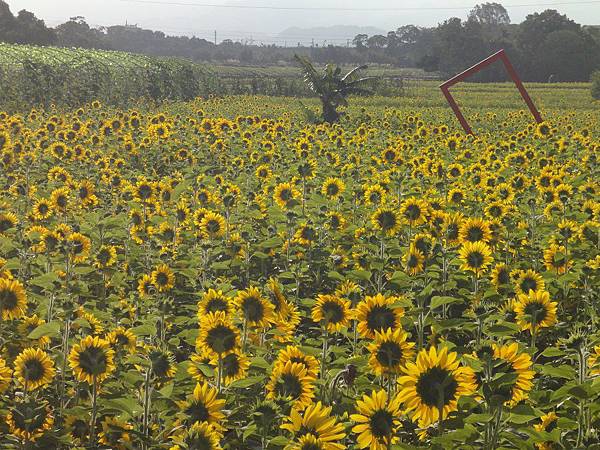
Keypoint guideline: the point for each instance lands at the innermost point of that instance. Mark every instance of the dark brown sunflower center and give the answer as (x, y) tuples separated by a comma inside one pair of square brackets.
[(332, 189), (162, 279), (200, 442), (412, 212), (381, 318), (389, 354), (29, 418), (198, 412), (413, 261), (145, 191), (216, 304), (33, 370), (220, 339), (213, 226), (288, 385), (381, 424), (160, 364), (504, 277), (528, 284), (93, 361), (332, 312), (253, 308), (8, 299), (231, 365), (474, 234), (537, 311), (475, 259), (285, 194), (436, 387), (386, 220)]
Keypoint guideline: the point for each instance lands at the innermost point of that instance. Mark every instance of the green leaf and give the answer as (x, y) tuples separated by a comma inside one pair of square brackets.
[(562, 371), (552, 351), (144, 330), (45, 281), (51, 329), (521, 414), (438, 301), (247, 382), (359, 275), (167, 391)]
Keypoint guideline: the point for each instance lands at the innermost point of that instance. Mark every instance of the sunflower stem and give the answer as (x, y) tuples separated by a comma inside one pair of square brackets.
[(324, 354), (146, 405), (94, 410), (220, 373)]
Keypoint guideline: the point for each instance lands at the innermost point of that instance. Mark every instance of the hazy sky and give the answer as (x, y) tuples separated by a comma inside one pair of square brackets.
[(264, 24)]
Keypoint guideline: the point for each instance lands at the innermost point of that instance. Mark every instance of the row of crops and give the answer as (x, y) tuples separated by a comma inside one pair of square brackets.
[(34, 76)]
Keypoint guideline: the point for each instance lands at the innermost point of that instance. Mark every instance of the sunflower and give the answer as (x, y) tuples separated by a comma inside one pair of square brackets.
[(13, 300), (34, 368), (529, 280), (203, 406), (332, 312), (92, 360), (475, 230), (106, 256), (29, 419), (333, 188), (593, 362), (115, 434), (145, 286), (378, 313), (285, 195), (374, 194), (377, 421), (507, 359), (42, 209), (213, 301), (60, 199), (78, 427), (291, 382), (315, 420), (79, 246), (306, 442), (5, 376), (335, 221), (500, 275), (434, 384), (163, 279), (254, 308), (235, 366), (201, 435), (475, 256), (556, 259), (390, 352), (451, 227), (121, 337), (7, 221), (414, 260), (162, 363), (414, 211), (294, 354), (548, 423), (217, 334), (212, 225), (386, 220), (535, 310)]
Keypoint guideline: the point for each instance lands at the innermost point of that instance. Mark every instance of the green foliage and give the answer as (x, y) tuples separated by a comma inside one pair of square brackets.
[(596, 85)]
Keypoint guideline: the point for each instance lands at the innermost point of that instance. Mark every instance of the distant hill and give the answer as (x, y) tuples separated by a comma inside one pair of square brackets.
[(336, 35)]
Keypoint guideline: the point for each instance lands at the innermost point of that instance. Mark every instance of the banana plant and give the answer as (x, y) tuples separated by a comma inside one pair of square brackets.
[(332, 87)]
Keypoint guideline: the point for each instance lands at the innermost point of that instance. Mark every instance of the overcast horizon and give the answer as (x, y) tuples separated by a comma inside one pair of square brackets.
[(264, 25)]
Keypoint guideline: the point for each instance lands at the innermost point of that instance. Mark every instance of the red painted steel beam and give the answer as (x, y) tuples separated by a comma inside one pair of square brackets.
[(500, 55)]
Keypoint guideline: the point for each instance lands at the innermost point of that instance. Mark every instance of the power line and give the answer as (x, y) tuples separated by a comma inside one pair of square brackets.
[(324, 8)]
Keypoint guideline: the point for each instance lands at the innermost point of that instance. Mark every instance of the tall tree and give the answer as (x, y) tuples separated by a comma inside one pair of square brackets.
[(489, 14)]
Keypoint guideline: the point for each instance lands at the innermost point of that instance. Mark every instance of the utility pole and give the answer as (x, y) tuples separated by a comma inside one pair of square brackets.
[(215, 37)]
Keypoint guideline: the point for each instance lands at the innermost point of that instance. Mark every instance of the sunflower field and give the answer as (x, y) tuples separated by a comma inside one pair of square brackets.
[(217, 274)]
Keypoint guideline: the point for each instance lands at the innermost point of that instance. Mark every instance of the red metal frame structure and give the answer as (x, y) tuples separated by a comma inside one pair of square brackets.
[(500, 55)]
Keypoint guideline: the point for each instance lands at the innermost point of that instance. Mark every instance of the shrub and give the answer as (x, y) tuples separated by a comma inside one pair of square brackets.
[(596, 85)]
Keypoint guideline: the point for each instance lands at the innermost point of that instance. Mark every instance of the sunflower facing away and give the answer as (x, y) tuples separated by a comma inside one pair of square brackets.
[(535, 310), (475, 257), (201, 435), (291, 382), (204, 406), (92, 360), (377, 420), (315, 420), (34, 368), (332, 312), (378, 313), (435, 382), (390, 352)]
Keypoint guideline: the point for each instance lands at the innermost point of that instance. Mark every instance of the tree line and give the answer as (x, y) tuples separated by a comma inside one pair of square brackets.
[(546, 46)]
